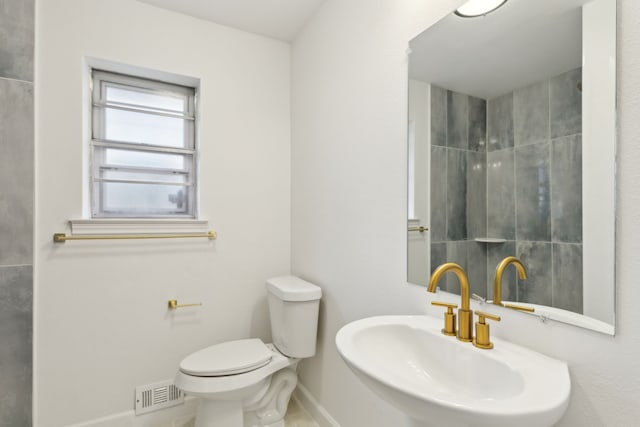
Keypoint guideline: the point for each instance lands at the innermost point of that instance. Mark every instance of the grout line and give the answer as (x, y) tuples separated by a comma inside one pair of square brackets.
[(515, 190), (551, 225), (16, 80), (446, 168), (486, 194), (16, 265)]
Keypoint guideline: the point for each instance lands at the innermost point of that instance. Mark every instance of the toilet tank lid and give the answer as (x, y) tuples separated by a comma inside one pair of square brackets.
[(292, 288)]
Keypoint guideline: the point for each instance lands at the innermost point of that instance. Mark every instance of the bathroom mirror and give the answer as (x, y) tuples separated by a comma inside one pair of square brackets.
[(511, 151)]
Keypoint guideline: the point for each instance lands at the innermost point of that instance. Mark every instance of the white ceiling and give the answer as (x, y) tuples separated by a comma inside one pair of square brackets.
[(280, 19), (523, 42)]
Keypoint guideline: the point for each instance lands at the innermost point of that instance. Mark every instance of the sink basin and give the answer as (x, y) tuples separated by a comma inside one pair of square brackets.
[(441, 381)]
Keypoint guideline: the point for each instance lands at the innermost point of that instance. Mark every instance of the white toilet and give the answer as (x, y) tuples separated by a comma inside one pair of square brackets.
[(248, 383)]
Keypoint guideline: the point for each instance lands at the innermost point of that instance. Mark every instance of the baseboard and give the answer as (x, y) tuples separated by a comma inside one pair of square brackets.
[(182, 415), (306, 400), (176, 416)]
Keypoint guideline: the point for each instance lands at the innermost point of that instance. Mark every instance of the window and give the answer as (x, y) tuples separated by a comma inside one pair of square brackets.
[(143, 150)]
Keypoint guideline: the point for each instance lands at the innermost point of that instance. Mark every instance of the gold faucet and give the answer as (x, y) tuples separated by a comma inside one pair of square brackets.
[(497, 284), (465, 314)]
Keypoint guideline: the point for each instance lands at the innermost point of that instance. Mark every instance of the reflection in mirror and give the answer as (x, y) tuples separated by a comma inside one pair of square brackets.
[(511, 152)]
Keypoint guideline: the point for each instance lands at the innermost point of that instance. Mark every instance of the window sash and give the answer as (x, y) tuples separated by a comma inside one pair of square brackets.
[(166, 177), (99, 126), (140, 109), (140, 84), (143, 212)]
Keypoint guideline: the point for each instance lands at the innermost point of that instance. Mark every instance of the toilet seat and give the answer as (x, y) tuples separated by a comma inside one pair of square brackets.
[(226, 385), (228, 358)]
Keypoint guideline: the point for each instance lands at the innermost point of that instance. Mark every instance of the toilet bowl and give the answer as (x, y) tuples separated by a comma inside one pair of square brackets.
[(247, 383)]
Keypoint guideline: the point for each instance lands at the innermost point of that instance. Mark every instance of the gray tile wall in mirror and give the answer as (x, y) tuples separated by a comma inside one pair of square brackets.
[(533, 192), (567, 276), (16, 211), (537, 257), (438, 179), (531, 113), (500, 122), (456, 194), (515, 174), (565, 104), (566, 189), (476, 194), (458, 183), (501, 197)]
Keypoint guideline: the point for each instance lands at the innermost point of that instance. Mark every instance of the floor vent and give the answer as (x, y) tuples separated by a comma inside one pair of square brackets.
[(156, 396)]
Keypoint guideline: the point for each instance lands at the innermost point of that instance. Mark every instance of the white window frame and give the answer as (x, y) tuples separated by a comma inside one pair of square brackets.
[(101, 79)]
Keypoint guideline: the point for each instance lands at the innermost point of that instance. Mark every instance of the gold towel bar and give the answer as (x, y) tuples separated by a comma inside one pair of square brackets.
[(420, 229), (61, 237)]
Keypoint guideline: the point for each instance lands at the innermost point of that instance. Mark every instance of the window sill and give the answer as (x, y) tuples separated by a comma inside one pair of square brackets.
[(137, 226)]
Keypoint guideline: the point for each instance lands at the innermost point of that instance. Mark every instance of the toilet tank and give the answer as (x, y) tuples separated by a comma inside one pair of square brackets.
[(293, 309)]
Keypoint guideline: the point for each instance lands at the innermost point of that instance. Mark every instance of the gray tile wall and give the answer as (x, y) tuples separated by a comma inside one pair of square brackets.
[(511, 168), (565, 104), (539, 210), (566, 189), (537, 257), (16, 172), (476, 194), (501, 200), (533, 193), (477, 124), (456, 194), (531, 114), (438, 116), (458, 185), (16, 36), (16, 211), (438, 202), (457, 120), (500, 122), (567, 276), (16, 314)]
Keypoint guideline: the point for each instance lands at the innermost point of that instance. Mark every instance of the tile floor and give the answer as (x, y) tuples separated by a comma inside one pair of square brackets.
[(298, 417)]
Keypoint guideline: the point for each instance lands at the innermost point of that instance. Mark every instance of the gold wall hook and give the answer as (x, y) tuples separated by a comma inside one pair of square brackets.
[(173, 304)]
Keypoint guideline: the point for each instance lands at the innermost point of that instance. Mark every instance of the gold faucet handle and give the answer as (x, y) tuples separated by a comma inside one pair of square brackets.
[(449, 305), (519, 307), (484, 315), (483, 338), (449, 317)]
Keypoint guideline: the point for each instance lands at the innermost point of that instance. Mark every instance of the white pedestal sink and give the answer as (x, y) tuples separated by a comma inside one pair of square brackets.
[(444, 382)]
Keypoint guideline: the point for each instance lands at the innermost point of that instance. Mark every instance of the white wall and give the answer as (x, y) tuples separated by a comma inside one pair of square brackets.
[(349, 87), (419, 142), (102, 326)]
